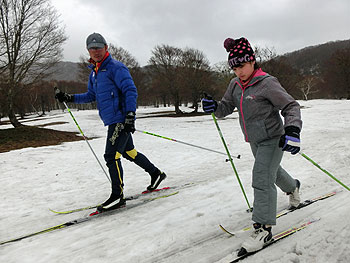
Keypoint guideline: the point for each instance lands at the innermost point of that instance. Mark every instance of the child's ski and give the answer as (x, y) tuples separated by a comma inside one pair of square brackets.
[(276, 238), (285, 211)]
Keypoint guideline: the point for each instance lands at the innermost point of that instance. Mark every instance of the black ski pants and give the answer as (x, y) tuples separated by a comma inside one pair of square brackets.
[(120, 143)]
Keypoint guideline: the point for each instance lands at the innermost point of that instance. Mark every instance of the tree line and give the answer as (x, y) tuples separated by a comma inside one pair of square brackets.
[(31, 39)]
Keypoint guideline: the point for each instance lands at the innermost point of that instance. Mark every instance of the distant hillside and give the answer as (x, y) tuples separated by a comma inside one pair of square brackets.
[(67, 71), (303, 59), (309, 57)]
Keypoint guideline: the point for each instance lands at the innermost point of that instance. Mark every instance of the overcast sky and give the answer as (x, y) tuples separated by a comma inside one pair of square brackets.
[(139, 25)]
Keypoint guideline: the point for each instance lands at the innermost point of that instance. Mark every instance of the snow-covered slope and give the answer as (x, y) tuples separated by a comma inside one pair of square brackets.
[(183, 227)]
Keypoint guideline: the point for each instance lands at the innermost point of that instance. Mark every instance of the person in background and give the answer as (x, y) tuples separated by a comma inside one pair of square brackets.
[(111, 86), (260, 99)]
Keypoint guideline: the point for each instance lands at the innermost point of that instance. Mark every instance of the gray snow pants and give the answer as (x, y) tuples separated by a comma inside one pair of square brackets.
[(267, 173)]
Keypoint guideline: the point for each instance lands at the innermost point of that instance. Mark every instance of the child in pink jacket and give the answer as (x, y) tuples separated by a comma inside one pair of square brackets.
[(260, 99)]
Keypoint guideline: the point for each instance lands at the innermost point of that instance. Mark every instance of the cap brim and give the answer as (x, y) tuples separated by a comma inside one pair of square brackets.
[(94, 45)]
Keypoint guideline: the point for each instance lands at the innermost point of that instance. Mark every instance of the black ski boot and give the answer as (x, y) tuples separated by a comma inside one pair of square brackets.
[(156, 179), (113, 202)]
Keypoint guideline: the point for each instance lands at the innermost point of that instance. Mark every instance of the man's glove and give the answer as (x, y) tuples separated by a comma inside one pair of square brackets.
[(208, 104), (290, 141), (130, 122), (64, 97)]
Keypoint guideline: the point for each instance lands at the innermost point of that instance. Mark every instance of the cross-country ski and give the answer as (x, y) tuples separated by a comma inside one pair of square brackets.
[(86, 218), (132, 197), (284, 212), (275, 238)]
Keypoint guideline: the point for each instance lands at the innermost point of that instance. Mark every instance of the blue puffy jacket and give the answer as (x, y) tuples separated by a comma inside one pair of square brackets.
[(113, 89)]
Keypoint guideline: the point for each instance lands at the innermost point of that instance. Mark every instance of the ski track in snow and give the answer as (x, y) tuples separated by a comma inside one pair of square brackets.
[(183, 227)]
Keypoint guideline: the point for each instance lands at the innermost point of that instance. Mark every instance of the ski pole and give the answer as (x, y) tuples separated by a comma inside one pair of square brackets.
[(189, 144), (93, 152), (230, 159), (81, 132), (323, 170)]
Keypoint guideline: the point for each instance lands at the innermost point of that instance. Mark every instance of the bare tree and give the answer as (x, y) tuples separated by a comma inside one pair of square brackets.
[(307, 86), (264, 54), (123, 56), (165, 62), (30, 43), (196, 74)]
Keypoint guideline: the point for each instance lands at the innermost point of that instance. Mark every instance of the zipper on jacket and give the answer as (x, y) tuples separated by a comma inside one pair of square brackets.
[(241, 105), (241, 111), (95, 80)]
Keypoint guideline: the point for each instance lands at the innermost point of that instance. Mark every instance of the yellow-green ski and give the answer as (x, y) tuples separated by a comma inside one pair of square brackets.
[(74, 210), (276, 238), (285, 211), (86, 218)]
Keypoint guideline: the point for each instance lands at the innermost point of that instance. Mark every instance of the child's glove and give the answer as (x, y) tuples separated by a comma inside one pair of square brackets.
[(290, 141), (208, 104)]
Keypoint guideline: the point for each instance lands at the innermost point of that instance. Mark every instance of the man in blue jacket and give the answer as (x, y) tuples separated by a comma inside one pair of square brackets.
[(111, 86)]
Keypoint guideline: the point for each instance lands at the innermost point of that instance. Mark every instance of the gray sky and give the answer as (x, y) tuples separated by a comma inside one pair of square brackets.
[(139, 25)]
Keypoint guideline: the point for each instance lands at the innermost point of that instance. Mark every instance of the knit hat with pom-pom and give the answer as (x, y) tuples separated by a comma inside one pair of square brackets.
[(240, 51)]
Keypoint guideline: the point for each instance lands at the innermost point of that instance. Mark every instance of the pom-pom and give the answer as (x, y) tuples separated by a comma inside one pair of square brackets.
[(229, 43)]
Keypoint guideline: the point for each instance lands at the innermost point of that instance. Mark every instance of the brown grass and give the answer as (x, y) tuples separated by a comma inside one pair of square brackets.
[(33, 136)]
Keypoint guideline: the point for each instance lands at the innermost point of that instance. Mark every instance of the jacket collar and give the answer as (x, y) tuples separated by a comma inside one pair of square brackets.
[(256, 76), (97, 65)]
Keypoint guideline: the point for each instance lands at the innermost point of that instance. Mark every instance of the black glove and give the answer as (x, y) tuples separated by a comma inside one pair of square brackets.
[(130, 122), (290, 141), (64, 97), (208, 104)]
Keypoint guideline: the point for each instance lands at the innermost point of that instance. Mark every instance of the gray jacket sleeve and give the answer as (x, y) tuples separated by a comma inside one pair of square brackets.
[(227, 104), (278, 96)]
